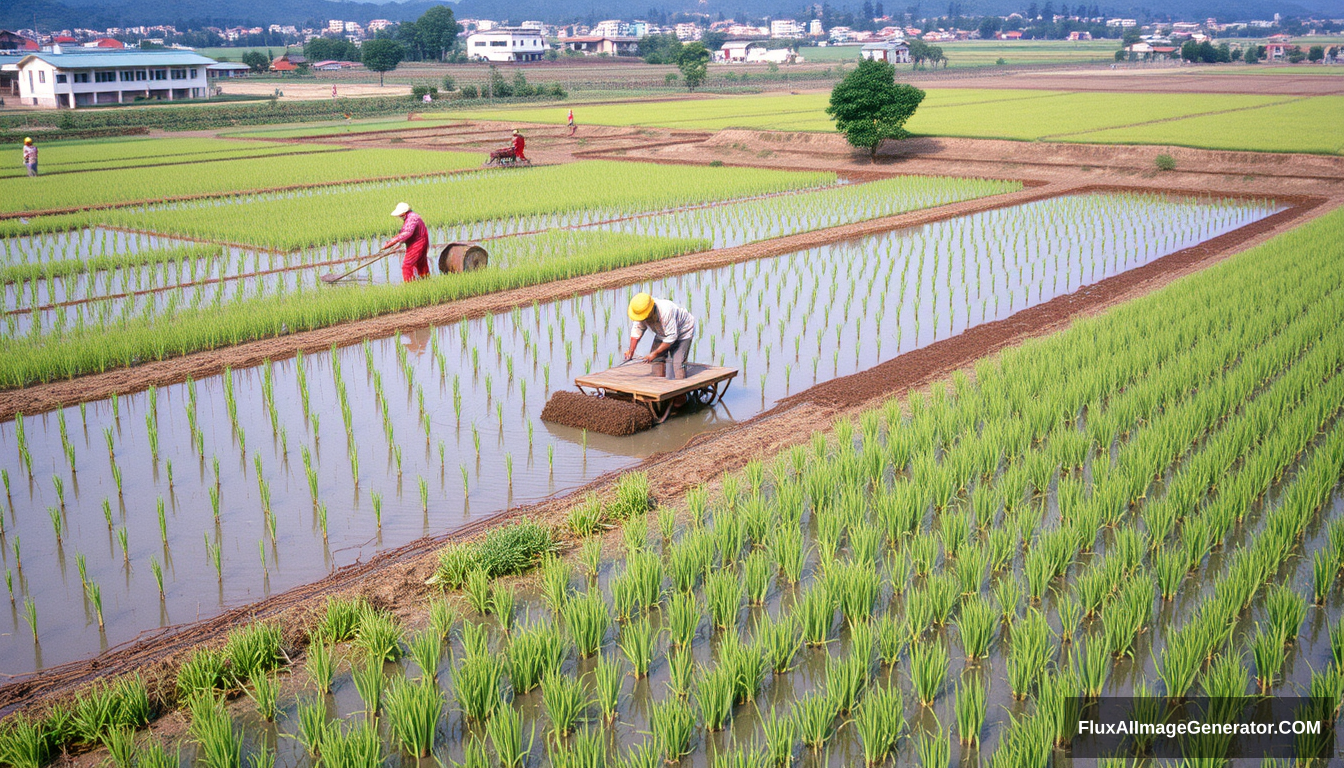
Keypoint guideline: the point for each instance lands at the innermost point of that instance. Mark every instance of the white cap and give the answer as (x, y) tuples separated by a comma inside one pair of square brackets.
[(401, 210)]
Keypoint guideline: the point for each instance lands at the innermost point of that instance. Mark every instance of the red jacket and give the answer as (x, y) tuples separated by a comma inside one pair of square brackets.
[(414, 234), (518, 145)]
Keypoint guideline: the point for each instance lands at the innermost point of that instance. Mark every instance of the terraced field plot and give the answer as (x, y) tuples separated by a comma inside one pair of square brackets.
[(73, 157), (285, 471)]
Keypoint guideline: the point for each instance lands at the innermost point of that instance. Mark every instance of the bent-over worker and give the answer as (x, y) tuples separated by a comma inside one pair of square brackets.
[(673, 326), (518, 144), (30, 156), (415, 235)]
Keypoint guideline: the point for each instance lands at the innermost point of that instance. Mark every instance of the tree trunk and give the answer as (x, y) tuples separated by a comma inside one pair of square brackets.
[(380, 79)]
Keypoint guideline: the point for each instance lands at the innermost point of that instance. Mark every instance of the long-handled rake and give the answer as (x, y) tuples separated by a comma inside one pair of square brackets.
[(332, 277)]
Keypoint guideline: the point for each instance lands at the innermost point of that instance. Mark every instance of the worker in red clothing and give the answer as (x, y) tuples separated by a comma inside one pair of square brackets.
[(518, 145), (415, 235)]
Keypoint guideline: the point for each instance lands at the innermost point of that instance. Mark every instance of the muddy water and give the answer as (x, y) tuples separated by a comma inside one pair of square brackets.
[(453, 411)]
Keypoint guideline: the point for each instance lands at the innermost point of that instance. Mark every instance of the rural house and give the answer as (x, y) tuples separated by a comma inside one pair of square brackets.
[(503, 44), (890, 51), (91, 77), (599, 44)]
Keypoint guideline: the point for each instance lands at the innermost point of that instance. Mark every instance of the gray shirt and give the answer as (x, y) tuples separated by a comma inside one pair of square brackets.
[(670, 322)]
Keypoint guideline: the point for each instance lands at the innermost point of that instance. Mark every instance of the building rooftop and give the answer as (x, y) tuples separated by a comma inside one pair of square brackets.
[(87, 59)]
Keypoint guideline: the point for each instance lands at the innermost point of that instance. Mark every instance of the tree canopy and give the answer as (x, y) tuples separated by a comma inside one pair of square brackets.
[(693, 61), (432, 36), (330, 49), (382, 56), (256, 61), (659, 49), (869, 105)]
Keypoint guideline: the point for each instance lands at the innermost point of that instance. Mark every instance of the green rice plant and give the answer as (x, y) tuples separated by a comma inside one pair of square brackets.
[(319, 665), (104, 707), (683, 618), (120, 745), (607, 680), (746, 664), (379, 635), (588, 517), (780, 640), (975, 626), (426, 649), (476, 588), (970, 708), (1008, 596), (1226, 677), (756, 572), (204, 672), (1091, 665), (781, 734), (588, 750), (341, 618), (642, 755), (413, 711), (1267, 648), (934, 749), (1337, 643), (723, 595), (264, 693), (789, 553), (590, 556), (27, 742), (555, 578), (714, 696), (312, 718), (1181, 662), (253, 649), (814, 714), (587, 619), (1324, 569), (855, 587), (219, 745), (638, 641), (633, 496), (928, 670), (502, 600), (636, 533), (358, 746), (846, 680), (816, 614), (534, 650), (673, 725), (878, 722), (680, 673), (475, 638), (442, 617), (1286, 609), (565, 701), (477, 681), (370, 682)]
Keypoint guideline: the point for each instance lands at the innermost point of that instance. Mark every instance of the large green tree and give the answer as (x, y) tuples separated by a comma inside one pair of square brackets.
[(330, 49), (382, 56), (257, 61), (869, 106), (693, 61), (433, 35), (659, 49)]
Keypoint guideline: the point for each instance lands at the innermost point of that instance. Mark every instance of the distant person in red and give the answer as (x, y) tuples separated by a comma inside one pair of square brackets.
[(518, 144), (415, 235), (572, 127)]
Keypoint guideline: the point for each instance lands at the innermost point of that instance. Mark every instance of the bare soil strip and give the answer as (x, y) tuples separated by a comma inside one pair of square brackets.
[(395, 578)]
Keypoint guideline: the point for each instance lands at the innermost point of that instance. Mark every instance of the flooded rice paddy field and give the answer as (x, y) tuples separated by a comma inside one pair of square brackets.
[(94, 298), (262, 479)]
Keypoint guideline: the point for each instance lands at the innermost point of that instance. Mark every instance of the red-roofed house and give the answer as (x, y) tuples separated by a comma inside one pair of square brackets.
[(108, 43), (63, 40), (283, 64), (1013, 35)]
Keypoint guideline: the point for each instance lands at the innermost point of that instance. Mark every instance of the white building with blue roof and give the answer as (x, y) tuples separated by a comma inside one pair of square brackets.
[(89, 77)]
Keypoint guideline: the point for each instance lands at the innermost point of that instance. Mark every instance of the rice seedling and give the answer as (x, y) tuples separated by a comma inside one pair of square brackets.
[(502, 600), (555, 577), (878, 722), (588, 750), (756, 573), (816, 614), (1269, 653), (1091, 665), (814, 716), (203, 673), (264, 693), (781, 734), (970, 708), (565, 701), (928, 670), (673, 725), (975, 626), (590, 556), (312, 718), (1287, 610), (607, 679), (253, 649), (780, 641), (477, 681), (637, 642), (370, 683), (95, 596), (534, 650), (934, 749), (587, 619), (219, 743), (475, 638), (358, 746), (426, 649), (476, 587), (319, 666), (341, 618), (723, 595)]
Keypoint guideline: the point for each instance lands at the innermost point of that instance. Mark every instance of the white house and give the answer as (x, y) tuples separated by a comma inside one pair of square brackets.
[(227, 69), (738, 51), (785, 28), (891, 51), (506, 44), (90, 77)]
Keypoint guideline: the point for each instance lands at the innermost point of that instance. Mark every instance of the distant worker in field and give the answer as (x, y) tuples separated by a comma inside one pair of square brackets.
[(572, 127), (673, 327), (518, 144), (30, 156), (415, 235), (333, 91)]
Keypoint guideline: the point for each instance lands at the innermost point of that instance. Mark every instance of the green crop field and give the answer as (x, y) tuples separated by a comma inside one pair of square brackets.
[(1218, 121), (1309, 125), (328, 129), (112, 187), (987, 53), (68, 157)]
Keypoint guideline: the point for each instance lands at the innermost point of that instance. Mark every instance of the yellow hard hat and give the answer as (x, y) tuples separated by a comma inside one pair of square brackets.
[(640, 306), (27, 140)]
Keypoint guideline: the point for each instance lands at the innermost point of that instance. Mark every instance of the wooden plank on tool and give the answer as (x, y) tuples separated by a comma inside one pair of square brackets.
[(637, 379)]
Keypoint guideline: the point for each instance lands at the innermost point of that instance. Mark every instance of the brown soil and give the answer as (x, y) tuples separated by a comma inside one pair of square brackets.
[(619, 418)]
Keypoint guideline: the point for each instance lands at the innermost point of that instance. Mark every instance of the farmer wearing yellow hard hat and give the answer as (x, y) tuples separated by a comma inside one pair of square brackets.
[(30, 156), (672, 326)]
